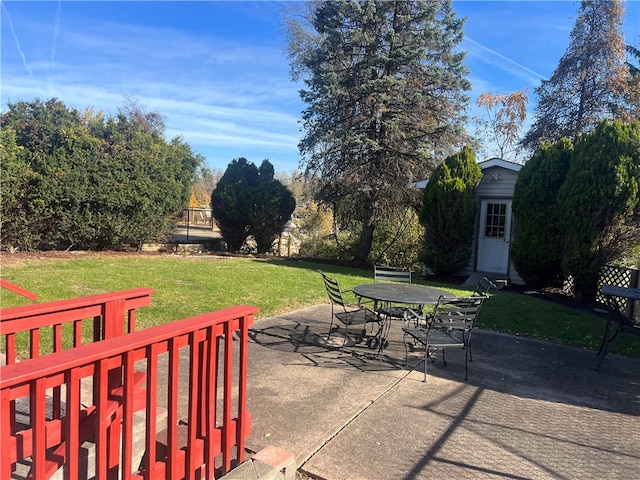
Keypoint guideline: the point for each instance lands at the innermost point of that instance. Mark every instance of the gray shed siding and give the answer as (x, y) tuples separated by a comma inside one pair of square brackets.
[(502, 188)]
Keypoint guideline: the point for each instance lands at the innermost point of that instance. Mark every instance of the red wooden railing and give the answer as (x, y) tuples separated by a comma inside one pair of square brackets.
[(19, 290), (103, 316), (216, 416), (97, 317)]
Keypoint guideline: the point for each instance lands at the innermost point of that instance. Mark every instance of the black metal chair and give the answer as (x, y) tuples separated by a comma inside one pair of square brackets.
[(350, 315), (382, 274), (483, 286), (449, 325)]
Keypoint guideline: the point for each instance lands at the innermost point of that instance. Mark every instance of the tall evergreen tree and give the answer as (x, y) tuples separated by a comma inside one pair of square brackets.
[(536, 248), (384, 84), (592, 81), (635, 53)]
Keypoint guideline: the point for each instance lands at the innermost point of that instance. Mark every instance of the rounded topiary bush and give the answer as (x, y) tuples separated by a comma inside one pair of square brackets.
[(448, 213)]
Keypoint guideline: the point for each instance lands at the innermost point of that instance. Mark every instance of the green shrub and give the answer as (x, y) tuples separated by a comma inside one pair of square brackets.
[(536, 249), (448, 213), (398, 240), (600, 202), (15, 178), (79, 180), (249, 201), (329, 247)]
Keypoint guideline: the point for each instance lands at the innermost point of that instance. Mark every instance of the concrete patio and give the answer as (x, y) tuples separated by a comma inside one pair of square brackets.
[(530, 409)]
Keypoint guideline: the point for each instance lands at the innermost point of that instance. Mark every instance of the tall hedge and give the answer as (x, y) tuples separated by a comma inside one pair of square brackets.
[(600, 202), (536, 249), (249, 201), (83, 180), (448, 213)]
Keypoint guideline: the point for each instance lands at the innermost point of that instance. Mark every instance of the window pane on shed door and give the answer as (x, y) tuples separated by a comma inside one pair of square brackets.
[(495, 220)]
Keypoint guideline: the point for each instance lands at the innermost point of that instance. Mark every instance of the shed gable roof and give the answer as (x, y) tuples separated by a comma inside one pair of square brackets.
[(498, 162), (492, 162)]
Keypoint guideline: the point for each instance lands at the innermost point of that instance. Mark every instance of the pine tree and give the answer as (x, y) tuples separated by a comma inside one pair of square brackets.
[(635, 53), (592, 81), (384, 85), (248, 200)]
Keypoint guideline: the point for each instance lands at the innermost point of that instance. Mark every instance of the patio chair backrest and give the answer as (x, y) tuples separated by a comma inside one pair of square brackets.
[(333, 289), (460, 313), (391, 274), (483, 286)]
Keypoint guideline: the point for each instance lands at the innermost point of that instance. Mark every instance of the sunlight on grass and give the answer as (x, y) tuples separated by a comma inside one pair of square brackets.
[(190, 285)]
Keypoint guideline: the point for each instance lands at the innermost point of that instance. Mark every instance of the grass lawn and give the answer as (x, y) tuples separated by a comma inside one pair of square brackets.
[(191, 285)]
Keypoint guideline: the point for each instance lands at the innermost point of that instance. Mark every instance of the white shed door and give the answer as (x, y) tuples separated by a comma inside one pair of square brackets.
[(494, 234)]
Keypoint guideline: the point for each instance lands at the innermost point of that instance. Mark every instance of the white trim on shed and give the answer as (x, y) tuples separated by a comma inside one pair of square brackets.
[(498, 162)]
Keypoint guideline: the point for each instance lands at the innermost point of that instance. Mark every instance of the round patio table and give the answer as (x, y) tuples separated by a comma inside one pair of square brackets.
[(400, 293)]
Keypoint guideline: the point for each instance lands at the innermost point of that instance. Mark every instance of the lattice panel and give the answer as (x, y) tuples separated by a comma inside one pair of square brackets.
[(620, 277), (612, 275)]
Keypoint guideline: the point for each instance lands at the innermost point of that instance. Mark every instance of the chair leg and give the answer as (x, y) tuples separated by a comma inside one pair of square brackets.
[(426, 358), (406, 350), (382, 338), (331, 324), (466, 356)]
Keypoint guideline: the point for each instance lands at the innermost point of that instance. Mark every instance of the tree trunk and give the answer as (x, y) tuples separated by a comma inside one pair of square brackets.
[(366, 235)]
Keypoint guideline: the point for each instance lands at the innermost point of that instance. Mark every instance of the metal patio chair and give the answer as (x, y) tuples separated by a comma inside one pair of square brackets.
[(383, 273), (620, 319), (483, 286), (350, 315), (449, 325)]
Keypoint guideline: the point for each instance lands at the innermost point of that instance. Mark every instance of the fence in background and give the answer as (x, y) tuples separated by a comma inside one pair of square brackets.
[(196, 217)]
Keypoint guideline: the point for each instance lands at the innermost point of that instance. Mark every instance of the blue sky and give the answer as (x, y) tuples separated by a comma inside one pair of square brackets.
[(218, 71)]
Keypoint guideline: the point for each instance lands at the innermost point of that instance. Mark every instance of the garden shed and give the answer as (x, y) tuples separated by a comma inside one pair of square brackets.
[(493, 228)]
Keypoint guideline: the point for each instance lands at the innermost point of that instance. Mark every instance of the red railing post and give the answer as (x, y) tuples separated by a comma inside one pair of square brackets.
[(227, 439), (7, 420), (243, 420)]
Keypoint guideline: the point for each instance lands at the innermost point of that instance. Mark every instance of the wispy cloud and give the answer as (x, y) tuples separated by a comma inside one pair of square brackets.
[(56, 30), (223, 96), (15, 38), (502, 62)]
